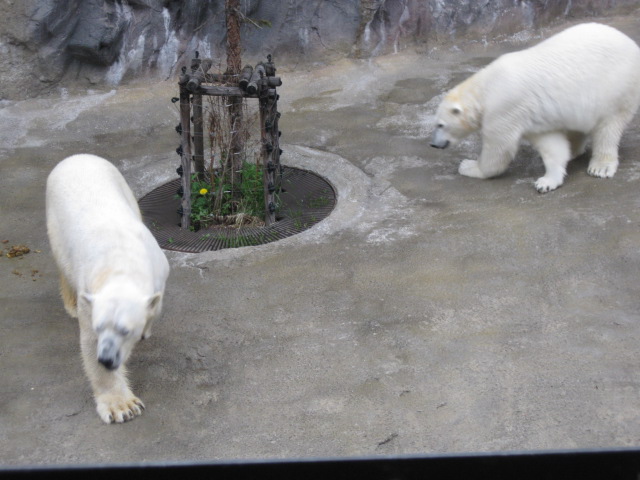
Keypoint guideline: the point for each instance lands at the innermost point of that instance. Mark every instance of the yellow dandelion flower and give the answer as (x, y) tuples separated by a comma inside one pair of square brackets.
[(204, 191)]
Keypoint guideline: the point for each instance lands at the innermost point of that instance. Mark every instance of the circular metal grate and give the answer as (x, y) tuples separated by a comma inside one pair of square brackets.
[(306, 199)]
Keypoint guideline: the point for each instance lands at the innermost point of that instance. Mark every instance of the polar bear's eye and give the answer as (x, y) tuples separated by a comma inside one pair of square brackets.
[(456, 111), (440, 125), (123, 331)]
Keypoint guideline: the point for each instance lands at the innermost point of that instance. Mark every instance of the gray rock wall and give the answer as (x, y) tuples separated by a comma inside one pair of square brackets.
[(46, 42)]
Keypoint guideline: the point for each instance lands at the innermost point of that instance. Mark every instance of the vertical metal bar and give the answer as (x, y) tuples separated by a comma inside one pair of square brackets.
[(185, 119), (198, 134), (267, 164), (275, 135)]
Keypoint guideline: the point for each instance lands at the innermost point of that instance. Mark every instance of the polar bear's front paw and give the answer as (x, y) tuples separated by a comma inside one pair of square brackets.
[(546, 184), (469, 168), (118, 408), (602, 169)]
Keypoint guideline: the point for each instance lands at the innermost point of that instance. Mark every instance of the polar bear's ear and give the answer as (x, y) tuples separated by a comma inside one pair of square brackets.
[(154, 300)]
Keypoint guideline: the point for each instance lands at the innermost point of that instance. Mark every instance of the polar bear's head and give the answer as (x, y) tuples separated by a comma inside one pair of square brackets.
[(457, 117), (119, 322)]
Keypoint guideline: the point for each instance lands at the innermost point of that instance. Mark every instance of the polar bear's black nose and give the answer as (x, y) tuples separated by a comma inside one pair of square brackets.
[(108, 354), (107, 362)]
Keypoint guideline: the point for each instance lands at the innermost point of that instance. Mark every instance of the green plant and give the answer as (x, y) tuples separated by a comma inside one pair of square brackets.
[(212, 198), (201, 200), (294, 213), (229, 192), (252, 190)]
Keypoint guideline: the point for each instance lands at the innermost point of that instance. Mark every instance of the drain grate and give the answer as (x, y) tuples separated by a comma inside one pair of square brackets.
[(306, 199)]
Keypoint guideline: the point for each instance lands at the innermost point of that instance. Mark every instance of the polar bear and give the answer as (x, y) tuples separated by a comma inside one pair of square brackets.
[(581, 84), (112, 273)]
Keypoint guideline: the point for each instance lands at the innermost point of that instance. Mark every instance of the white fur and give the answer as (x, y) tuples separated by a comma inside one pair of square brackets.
[(112, 273), (581, 84)]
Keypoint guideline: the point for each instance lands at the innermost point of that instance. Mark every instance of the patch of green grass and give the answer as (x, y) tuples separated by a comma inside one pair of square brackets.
[(246, 198)]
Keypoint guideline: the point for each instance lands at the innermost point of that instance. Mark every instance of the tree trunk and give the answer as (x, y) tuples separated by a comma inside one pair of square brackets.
[(234, 155)]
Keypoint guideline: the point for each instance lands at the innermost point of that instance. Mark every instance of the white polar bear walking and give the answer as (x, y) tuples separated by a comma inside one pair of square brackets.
[(112, 273), (583, 83)]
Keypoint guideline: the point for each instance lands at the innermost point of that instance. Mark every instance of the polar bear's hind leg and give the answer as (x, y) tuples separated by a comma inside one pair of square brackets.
[(606, 138), (578, 142), (69, 296), (555, 149)]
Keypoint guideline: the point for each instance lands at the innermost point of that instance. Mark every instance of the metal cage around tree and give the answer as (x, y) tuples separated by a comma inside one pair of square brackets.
[(259, 83)]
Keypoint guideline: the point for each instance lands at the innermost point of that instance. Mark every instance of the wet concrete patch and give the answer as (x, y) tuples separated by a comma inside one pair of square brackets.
[(412, 91), (456, 78), (477, 63), (414, 182), (312, 104)]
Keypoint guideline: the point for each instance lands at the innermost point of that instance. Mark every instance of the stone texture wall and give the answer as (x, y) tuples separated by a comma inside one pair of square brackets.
[(46, 42), (387, 24)]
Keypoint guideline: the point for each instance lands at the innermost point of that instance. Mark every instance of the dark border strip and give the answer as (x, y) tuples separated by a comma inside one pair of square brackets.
[(623, 464)]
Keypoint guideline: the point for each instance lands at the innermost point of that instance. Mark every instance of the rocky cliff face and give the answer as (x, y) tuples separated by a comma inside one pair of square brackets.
[(45, 42)]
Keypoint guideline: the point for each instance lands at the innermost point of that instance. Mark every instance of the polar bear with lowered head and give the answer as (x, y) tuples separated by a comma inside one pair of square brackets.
[(112, 273), (581, 84)]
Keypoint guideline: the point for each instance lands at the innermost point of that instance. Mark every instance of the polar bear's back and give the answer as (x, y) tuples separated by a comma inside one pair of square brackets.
[(92, 182), (597, 34), (93, 219), (574, 78), (591, 49)]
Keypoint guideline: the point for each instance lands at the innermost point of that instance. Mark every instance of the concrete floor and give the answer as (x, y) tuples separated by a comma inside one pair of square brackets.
[(429, 313)]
